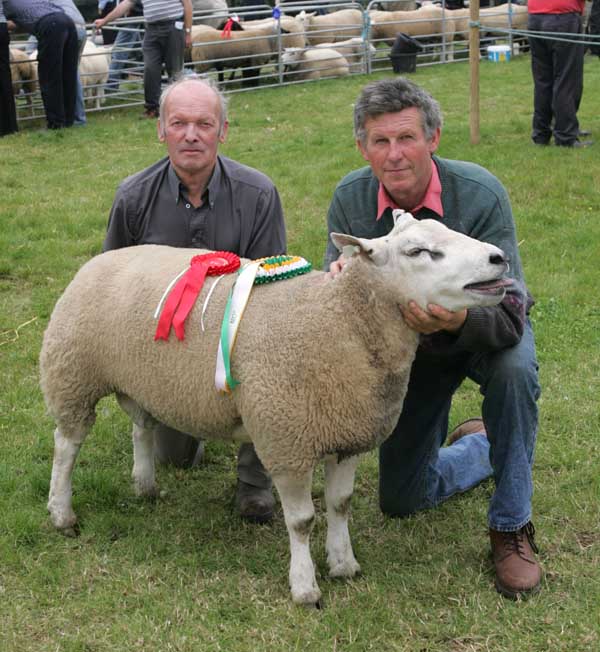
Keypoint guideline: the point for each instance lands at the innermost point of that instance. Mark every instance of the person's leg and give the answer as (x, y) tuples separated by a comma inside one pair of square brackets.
[(8, 115), (543, 81), (51, 39), (174, 53), (415, 473), (152, 48), (70, 73), (127, 38), (509, 383), (177, 448), (568, 80), (254, 498), (80, 118)]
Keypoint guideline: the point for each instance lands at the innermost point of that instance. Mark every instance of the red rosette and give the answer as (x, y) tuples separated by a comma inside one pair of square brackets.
[(219, 262), (183, 296)]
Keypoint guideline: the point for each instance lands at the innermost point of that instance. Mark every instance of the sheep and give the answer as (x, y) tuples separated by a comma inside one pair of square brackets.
[(23, 72), (427, 21), (330, 28), (314, 63), (93, 71), (322, 364), (353, 49), (209, 12), (245, 48)]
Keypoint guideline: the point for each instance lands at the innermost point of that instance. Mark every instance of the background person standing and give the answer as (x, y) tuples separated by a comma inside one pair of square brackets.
[(557, 69), (8, 112)]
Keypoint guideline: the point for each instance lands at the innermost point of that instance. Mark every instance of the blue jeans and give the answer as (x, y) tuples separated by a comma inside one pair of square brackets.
[(126, 40), (80, 118), (416, 472)]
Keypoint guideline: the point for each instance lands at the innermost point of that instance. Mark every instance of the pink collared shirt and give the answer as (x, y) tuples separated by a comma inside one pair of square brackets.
[(432, 199)]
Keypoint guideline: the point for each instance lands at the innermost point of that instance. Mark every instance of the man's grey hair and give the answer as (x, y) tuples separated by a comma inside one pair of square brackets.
[(201, 81), (391, 96)]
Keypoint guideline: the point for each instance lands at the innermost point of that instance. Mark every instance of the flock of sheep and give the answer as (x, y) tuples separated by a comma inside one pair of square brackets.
[(303, 47)]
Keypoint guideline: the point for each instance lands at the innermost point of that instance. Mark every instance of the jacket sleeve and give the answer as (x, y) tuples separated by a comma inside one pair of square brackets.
[(118, 232), (496, 327)]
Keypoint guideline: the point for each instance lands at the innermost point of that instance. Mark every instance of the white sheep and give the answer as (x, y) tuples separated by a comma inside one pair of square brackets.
[(330, 28), (314, 63), (23, 72), (427, 21), (354, 50), (209, 12), (246, 48), (323, 366), (93, 70)]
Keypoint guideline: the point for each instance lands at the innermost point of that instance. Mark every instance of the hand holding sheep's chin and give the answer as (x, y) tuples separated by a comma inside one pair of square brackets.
[(434, 319), (336, 267)]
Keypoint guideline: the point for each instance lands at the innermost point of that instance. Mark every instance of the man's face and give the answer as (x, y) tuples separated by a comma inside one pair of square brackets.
[(191, 128), (400, 154)]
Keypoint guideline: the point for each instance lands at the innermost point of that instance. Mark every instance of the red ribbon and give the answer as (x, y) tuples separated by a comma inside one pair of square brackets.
[(226, 33), (183, 296)]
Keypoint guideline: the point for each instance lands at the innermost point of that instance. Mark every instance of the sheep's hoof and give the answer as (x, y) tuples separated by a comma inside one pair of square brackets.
[(345, 569), (310, 598), (71, 532)]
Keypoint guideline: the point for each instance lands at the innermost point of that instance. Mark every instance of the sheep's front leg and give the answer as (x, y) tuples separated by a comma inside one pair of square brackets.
[(339, 486), (60, 497), (299, 514)]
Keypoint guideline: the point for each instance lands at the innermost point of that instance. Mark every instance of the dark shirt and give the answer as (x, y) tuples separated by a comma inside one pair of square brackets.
[(26, 13), (240, 212)]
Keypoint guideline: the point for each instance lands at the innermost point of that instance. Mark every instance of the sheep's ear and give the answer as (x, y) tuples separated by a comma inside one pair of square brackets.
[(402, 219), (376, 249)]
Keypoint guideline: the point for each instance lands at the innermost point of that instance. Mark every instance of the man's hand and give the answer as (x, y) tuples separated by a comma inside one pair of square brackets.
[(99, 23), (434, 319), (188, 40), (336, 267)]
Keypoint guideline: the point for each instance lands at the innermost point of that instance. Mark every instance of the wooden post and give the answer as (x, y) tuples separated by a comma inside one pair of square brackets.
[(474, 68)]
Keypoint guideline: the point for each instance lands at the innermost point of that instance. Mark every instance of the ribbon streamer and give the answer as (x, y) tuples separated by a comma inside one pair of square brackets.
[(183, 296)]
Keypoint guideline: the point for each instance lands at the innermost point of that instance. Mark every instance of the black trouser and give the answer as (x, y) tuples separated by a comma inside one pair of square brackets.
[(557, 69), (58, 51), (594, 27), (8, 115)]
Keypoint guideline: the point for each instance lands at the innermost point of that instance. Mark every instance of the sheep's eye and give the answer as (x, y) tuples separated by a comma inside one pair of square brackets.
[(417, 251)]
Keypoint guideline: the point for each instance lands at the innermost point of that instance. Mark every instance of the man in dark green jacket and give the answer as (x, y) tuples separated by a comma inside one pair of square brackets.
[(397, 128)]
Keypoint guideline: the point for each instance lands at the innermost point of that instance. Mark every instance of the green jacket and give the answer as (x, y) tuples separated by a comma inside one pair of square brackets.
[(475, 203)]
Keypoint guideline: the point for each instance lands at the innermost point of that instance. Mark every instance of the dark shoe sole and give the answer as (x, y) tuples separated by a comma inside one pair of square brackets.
[(512, 594)]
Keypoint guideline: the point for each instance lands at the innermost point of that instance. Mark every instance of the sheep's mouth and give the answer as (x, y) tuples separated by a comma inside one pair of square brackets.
[(491, 286)]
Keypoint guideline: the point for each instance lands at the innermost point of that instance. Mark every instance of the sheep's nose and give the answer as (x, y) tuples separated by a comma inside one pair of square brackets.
[(499, 258)]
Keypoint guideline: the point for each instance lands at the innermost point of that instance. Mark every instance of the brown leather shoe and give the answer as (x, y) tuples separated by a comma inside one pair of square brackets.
[(254, 504), (517, 570), (469, 427)]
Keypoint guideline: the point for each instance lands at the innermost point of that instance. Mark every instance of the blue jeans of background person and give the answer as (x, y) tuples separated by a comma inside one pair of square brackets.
[(164, 42), (57, 68), (127, 39), (416, 472), (80, 118)]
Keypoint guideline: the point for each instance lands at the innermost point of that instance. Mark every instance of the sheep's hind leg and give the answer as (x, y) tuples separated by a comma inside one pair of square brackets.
[(143, 473), (299, 513), (339, 486), (60, 497)]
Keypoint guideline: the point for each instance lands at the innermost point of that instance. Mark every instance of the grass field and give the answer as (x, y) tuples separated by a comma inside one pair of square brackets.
[(185, 574)]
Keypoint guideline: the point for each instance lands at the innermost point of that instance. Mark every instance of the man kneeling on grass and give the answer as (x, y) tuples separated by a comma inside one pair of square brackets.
[(397, 127)]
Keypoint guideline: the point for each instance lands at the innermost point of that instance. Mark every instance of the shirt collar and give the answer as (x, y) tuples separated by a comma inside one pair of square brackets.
[(431, 200), (176, 185)]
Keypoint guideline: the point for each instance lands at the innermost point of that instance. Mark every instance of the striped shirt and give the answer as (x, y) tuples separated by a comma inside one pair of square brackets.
[(159, 10)]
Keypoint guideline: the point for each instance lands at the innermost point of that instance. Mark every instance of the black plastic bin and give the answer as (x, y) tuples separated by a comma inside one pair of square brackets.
[(404, 53)]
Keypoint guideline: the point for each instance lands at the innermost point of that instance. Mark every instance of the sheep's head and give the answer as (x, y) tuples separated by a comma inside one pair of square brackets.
[(291, 56), (429, 263)]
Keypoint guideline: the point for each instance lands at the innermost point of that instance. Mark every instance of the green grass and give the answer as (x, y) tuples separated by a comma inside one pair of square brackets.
[(184, 573)]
